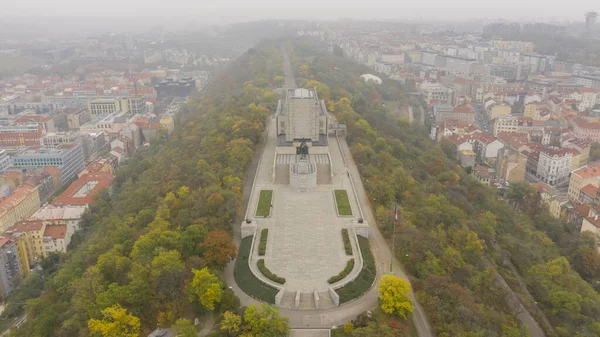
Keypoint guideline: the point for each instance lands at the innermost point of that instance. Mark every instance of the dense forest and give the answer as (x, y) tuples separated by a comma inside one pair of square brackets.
[(455, 236), (155, 246)]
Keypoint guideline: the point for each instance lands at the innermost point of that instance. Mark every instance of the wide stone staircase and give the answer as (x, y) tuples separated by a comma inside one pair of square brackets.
[(306, 301)]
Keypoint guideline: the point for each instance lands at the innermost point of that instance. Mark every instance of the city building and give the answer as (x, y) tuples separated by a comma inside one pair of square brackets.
[(29, 238), (56, 239), (10, 268), (20, 135), (582, 177), (83, 191), (464, 114), (45, 122), (585, 129), (68, 158), (496, 110), (302, 116), (4, 161), (69, 216), (551, 198), (435, 92), (105, 106), (182, 88), (483, 174), (554, 166), (20, 205)]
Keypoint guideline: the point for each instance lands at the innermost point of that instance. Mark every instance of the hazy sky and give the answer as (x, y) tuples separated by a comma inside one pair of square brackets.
[(536, 10)]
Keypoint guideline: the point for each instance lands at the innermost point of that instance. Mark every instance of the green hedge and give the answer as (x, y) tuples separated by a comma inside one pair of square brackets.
[(262, 245), (246, 280), (343, 273), (346, 238), (365, 278), (265, 271)]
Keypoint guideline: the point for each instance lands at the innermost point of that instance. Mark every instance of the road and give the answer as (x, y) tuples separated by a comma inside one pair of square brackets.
[(290, 79), (482, 120), (17, 322)]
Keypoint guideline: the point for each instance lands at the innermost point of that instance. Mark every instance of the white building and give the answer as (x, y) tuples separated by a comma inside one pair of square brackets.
[(4, 160), (554, 166), (56, 239), (436, 92)]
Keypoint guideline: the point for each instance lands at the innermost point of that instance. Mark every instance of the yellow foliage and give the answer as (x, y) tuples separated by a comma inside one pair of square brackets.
[(393, 295), (116, 322), (348, 327), (207, 288)]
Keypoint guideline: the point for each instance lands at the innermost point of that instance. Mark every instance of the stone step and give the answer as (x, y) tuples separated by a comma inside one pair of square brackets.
[(325, 300), (288, 300), (307, 301)]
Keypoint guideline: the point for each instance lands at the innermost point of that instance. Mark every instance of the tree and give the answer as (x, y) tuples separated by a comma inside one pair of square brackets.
[(231, 323), (265, 322), (184, 328), (218, 249), (116, 322), (206, 287), (518, 192), (348, 327), (374, 329), (393, 295), (278, 80)]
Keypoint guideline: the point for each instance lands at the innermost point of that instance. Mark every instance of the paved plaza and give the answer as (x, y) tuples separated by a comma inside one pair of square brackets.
[(305, 244)]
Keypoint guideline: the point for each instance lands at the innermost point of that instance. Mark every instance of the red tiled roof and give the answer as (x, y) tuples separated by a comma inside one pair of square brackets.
[(26, 226), (56, 231), (589, 171), (100, 181), (590, 190)]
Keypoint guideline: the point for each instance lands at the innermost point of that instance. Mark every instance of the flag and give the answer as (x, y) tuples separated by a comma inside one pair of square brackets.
[(396, 212)]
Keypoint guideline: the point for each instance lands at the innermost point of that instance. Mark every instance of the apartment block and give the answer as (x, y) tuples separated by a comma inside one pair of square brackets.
[(10, 268), (68, 158), (21, 204), (587, 175)]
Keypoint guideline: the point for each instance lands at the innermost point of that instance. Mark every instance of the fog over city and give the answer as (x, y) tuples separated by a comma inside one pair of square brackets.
[(239, 10)]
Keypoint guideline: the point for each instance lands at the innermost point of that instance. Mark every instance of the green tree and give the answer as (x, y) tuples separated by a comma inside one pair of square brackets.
[(265, 321), (116, 322), (206, 288), (394, 295), (184, 328), (231, 323)]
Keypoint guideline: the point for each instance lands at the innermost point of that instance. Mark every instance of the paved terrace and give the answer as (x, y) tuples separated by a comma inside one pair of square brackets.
[(305, 243)]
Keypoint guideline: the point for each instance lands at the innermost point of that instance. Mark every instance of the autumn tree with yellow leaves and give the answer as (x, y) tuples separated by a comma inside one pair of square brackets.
[(393, 296), (116, 322)]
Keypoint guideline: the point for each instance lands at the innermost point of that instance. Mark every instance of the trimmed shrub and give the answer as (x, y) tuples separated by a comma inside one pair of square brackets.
[(265, 271), (365, 278), (246, 279), (343, 273), (262, 245), (346, 238)]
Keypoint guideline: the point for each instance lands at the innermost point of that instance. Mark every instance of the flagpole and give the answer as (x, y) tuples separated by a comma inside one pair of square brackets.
[(393, 238)]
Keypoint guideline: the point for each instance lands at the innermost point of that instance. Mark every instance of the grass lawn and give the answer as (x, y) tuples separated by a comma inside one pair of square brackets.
[(246, 280), (365, 279), (264, 203), (343, 204)]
